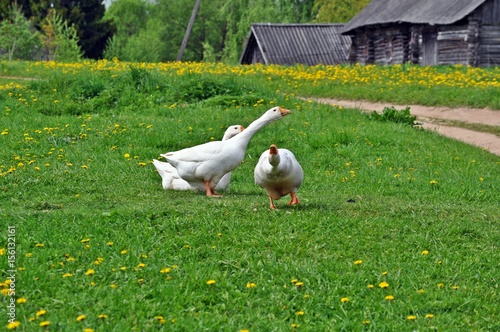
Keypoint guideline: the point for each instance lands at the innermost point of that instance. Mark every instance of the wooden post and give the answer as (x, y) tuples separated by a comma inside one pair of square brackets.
[(188, 30)]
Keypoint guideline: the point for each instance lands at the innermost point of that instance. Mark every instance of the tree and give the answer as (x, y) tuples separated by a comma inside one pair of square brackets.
[(338, 10), (17, 35), (59, 39), (6, 5), (87, 18), (130, 18)]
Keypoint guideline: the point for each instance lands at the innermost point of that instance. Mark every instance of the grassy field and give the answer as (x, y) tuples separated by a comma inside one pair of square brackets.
[(397, 229)]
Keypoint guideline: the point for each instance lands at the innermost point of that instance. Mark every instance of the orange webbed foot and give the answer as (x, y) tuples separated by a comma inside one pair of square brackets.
[(294, 200)]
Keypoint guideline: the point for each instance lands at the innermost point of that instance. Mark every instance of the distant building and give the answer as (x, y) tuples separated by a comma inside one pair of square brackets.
[(426, 32), (290, 44)]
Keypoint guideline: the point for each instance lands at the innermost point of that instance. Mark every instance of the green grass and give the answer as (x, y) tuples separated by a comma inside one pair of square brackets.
[(419, 211)]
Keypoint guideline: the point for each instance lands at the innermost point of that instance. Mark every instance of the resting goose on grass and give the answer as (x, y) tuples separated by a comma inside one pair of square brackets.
[(172, 181), (279, 173), (207, 163)]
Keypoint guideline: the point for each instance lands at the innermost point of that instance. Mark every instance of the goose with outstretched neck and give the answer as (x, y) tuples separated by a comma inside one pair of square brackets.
[(171, 180), (210, 161)]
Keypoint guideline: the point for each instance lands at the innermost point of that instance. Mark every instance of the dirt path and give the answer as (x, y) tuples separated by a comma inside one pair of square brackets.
[(428, 116)]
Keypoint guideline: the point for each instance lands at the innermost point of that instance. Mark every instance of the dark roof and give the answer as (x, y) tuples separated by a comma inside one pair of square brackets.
[(413, 11), (289, 44)]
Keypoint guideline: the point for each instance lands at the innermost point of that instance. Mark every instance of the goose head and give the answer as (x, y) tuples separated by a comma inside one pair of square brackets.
[(274, 157), (232, 131), (271, 115), (275, 113)]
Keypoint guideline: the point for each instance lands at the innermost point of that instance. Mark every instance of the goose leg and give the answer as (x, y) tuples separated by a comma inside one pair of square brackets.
[(209, 191), (271, 205), (295, 200)]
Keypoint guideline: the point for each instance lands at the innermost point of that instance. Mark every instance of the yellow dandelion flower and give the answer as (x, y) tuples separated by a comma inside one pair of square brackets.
[(429, 316), (127, 155), (88, 329), (370, 286), (123, 252), (6, 292), (383, 285), (109, 243), (89, 272), (85, 240), (114, 286), (358, 262), (299, 284), (123, 268), (67, 275), (165, 270), (141, 265), (211, 282), (421, 291), (385, 273), (80, 318), (22, 300), (440, 285), (39, 245), (45, 323), (40, 312), (433, 182), (2, 251), (455, 287), (102, 316), (344, 300), (425, 252), (160, 319), (411, 317), (13, 325), (299, 313), (389, 298), (251, 285)]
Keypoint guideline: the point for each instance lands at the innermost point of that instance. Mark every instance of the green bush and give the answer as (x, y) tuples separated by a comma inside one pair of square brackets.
[(391, 114)]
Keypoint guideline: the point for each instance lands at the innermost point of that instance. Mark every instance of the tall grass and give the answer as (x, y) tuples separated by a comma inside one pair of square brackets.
[(397, 229)]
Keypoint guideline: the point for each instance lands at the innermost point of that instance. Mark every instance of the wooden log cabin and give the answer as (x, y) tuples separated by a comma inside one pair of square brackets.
[(426, 32)]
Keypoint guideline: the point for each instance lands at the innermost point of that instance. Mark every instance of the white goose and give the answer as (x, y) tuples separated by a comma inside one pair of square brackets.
[(172, 181), (209, 162), (279, 173)]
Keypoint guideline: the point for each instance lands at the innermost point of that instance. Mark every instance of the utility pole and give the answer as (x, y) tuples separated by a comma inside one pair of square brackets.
[(188, 30)]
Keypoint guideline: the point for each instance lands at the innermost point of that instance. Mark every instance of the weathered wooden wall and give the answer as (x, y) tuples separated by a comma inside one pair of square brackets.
[(473, 41)]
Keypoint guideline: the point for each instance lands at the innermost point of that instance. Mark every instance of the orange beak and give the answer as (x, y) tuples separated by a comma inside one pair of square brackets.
[(284, 111)]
